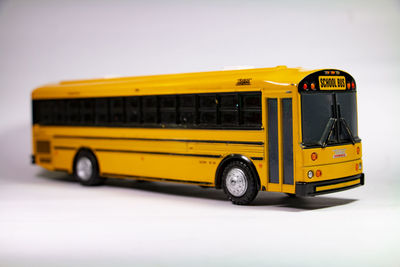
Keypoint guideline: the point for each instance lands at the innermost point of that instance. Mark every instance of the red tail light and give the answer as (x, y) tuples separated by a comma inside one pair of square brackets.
[(353, 85), (318, 173), (305, 86)]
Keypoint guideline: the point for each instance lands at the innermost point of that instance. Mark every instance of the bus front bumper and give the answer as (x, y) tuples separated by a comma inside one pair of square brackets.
[(329, 186)]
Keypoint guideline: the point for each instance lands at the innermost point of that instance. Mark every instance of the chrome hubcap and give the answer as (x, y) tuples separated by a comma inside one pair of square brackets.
[(84, 168), (236, 182)]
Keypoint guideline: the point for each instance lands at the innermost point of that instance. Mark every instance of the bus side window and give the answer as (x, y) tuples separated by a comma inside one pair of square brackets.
[(132, 110), (168, 109), (208, 109), (229, 109), (117, 110), (187, 110), (87, 112), (46, 112), (150, 110), (60, 112), (250, 109), (73, 111), (101, 111)]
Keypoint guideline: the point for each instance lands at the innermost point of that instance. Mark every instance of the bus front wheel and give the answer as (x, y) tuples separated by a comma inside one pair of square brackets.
[(239, 183), (86, 169)]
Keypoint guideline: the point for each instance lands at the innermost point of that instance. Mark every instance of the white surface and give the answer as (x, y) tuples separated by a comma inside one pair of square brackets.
[(47, 220)]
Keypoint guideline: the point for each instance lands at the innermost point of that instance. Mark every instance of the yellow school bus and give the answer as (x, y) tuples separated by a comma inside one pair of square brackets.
[(278, 129)]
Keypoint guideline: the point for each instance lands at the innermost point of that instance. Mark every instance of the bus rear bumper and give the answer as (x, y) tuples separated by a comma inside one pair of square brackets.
[(330, 186)]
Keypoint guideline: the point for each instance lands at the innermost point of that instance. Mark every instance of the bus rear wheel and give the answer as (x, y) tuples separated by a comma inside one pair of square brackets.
[(239, 183), (86, 169)]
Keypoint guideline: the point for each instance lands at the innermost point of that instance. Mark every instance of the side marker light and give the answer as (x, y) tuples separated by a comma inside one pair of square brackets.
[(314, 156)]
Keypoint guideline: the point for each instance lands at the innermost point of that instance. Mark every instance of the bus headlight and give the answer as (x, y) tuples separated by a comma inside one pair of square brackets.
[(358, 166), (310, 174)]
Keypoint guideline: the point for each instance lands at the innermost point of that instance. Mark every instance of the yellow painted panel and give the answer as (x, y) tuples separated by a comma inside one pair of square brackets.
[(333, 154), (332, 171), (63, 158), (158, 153), (158, 166)]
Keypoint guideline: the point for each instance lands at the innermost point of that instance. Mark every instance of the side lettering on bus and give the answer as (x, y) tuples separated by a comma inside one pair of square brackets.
[(243, 81)]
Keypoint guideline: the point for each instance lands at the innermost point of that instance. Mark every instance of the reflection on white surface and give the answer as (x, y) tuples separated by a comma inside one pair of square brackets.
[(47, 219)]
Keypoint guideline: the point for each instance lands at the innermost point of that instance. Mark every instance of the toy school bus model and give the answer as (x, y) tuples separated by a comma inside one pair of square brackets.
[(273, 129)]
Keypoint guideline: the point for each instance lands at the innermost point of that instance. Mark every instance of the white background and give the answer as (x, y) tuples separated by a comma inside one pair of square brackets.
[(48, 220)]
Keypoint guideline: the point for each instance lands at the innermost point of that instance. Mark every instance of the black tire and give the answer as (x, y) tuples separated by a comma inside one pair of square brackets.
[(245, 194), (91, 166), (291, 195)]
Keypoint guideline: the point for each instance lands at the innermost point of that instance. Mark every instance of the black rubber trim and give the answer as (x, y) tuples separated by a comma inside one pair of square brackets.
[(308, 189), (154, 139), (64, 148), (155, 179), (273, 141), (33, 159), (157, 153), (257, 158), (305, 146)]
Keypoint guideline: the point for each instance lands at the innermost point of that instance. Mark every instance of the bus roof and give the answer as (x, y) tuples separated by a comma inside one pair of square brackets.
[(279, 77)]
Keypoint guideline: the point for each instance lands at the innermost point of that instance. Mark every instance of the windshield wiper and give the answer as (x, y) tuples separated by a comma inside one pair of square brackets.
[(327, 132), (347, 128)]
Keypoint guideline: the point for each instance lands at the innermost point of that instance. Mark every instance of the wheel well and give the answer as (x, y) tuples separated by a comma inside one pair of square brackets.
[(83, 149), (225, 162)]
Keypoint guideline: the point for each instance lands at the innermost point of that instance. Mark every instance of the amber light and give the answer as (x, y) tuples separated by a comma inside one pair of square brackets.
[(312, 86), (314, 156), (358, 150), (348, 86), (353, 85), (305, 86), (332, 72), (318, 173)]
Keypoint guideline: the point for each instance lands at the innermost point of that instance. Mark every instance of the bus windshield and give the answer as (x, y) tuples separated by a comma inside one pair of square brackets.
[(329, 118)]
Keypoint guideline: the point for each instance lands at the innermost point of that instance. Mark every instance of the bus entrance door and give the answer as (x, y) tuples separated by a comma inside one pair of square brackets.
[(279, 148)]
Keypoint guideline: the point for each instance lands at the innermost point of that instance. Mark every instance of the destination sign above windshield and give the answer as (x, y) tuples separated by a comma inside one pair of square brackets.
[(327, 80), (332, 82)]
